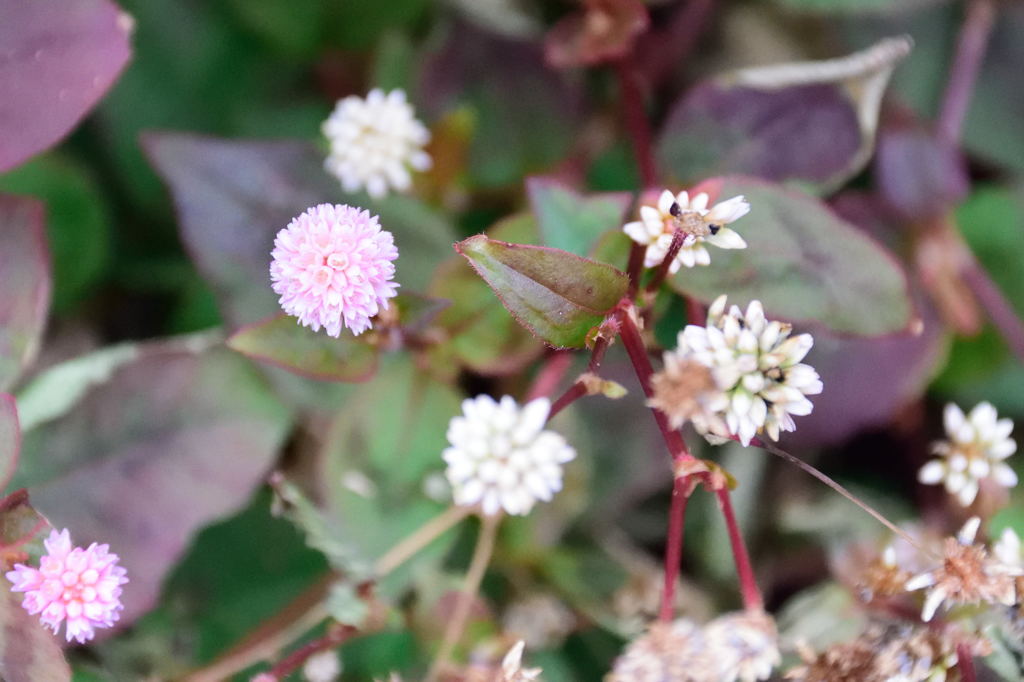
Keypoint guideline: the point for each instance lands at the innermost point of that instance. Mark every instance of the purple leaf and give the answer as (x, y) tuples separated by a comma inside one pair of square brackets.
[(25, 281), (10, 439), (57, 59), (172, 441), (918, 175), (283, 342), (28, 651), (804, 263), (812, 121), (234, 196), (555, 294)]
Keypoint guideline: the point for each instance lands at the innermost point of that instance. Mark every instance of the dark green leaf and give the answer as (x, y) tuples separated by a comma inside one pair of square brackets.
[(283, 342), (557, 295), (804, 263)]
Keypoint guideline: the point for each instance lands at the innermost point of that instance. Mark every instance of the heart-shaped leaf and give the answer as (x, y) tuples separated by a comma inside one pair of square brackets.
[(283, 342), (60, 56), (28, 651), (174, 439), (571, 221), (25, 280), (804, 263), (812, 122), (557, 295)]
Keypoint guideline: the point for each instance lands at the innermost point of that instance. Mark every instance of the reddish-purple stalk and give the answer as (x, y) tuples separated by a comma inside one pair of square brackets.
[(748, 585), (970, 51), (678, 237), (674, 549), (290, 663), (636, 119), (999, 310), (550, 375), (965, 662), (668, 48), (579, 388)]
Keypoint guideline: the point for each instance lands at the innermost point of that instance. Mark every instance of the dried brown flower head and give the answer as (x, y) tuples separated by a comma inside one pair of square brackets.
[(744, 645), (888, 653), (668, 652), (883, 577), (967, 575), (685, 390)]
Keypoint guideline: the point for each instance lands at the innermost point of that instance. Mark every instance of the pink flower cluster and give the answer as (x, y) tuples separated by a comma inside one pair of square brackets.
[(332, 268), (81, 586)]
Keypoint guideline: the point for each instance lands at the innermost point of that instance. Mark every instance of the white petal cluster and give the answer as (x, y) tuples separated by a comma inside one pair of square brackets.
[(502, 458), (1008, 550), (700, 224), (976, 447), (323, 666), (374, 142), (757, 364), (745, 645)]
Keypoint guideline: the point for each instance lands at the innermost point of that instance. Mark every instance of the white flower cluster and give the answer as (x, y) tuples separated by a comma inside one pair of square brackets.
[(756, 363), (976, 447), (374, 142), (502, 458), (698, 224)]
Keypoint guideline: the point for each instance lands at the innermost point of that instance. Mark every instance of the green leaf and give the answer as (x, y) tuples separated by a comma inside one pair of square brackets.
[(25, 281), (859, 6), (810, 122), (283, 342), (571, 221), (805, 264), (78, 222), (28, 651), (557, 295)]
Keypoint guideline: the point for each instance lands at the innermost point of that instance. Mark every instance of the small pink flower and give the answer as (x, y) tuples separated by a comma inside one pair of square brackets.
[(82, 586), (332, 268)]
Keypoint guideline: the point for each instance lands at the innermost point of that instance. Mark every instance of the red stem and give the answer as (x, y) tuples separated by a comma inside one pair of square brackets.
[(292, 661), (748, 585), (636, 119), (678, 237), (633, 268), (634, 344), (999, 310), (674, 548), (662, 51), (550, 375), (970, 51), (579, 389), (965, 662)]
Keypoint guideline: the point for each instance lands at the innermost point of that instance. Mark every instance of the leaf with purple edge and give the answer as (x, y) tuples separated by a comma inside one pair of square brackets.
[(281, 341), (172, 441), (557, 295), (28, 651), (804, 263), (811, 122), (26, 284), (59, 57), (20, 524), (572, 221)]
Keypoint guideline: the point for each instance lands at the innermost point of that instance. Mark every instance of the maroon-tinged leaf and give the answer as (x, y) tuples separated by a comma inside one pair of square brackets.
[(172, 441), (600, 31), (28, 651), (234, 196), (572, 221), (25, 281), (283, 342), (804, 263), (812, 122), (557, 295), (20, 524), (57, 58), (10, 439), (919, 175), (481, 334)]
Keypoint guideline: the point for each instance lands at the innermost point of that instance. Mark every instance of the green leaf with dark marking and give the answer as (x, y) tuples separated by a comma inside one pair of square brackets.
[(555, 294)]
